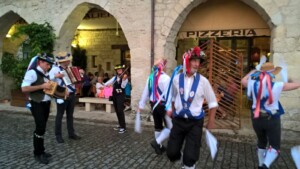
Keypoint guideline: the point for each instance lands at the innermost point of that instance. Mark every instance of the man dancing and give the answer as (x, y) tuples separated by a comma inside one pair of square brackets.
[(189, 91), (266, 110), (156, 85)]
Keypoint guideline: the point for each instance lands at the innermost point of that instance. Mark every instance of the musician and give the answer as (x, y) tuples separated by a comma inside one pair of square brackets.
[(63, 60), (119, 83), (33, 83)]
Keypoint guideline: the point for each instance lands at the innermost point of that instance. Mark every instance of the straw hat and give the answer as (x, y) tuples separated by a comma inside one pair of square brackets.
[(63, 56), (269, 67)]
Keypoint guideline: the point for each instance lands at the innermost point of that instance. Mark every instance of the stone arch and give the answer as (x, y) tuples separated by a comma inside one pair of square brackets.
[(172, 23), (6, 21), (69, 25)]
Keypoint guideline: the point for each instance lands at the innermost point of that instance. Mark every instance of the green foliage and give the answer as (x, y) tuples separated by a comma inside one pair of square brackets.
[(79, 57), (40, 39), (8, 62)]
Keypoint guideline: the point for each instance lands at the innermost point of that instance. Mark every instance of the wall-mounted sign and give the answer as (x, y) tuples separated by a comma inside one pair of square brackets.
[(224, 33)]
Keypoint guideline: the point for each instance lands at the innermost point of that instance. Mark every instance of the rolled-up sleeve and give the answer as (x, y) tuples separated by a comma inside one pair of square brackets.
[(29, 78), (210, 95)]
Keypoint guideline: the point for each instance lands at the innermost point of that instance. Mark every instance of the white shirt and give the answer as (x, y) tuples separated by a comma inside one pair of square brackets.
[(204, 90), (276, 91), (31, 77), (55, 70), (163, 84), (112, 80)]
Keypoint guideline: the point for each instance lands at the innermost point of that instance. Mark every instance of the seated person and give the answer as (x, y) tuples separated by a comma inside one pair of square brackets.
[(100, 87)]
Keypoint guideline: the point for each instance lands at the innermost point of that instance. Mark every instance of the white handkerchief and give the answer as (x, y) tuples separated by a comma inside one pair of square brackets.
[(137, 126), (211, 142), (60, 101), (283, 72)]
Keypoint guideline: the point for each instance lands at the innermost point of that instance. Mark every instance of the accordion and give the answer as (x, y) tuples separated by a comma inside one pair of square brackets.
[(71, 75), (56, 90)]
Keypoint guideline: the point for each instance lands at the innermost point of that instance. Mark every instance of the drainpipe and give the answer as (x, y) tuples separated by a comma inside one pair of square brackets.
[(152, 32)]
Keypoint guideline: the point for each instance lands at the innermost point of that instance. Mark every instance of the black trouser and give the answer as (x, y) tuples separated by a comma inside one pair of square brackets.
[(268, 130), (191, 132), (85, 91), (40, 112), (118, 101), (158, 116), (67, 106)]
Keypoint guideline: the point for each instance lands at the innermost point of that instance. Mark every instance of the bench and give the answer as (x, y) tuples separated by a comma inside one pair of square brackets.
[(91, 101)]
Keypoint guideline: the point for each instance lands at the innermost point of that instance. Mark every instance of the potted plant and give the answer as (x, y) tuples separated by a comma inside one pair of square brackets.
[(40, 39)]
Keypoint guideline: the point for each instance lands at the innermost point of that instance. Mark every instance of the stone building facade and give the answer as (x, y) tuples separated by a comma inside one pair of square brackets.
[(134, 16)]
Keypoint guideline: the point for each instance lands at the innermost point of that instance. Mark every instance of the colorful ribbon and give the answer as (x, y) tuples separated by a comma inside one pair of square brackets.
[(268, 77)]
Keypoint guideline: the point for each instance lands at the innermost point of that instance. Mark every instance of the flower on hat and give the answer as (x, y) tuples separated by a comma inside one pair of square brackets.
[(160, 63), (193, 53)]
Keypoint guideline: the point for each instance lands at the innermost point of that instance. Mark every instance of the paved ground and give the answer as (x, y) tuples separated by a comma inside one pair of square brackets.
[(102, 147)]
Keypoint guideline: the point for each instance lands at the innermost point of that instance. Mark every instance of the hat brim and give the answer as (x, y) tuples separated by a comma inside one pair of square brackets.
[(119, 68), (47, 60), (64, 60), (276, 70)]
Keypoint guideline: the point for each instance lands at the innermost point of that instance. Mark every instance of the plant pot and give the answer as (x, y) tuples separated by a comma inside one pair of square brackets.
[(18, 98)]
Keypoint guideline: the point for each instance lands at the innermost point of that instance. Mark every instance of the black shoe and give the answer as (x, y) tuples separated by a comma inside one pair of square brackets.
[(75, 137), (163, 148), (41, 158), (48, 155), (156, 147), (59, 140)]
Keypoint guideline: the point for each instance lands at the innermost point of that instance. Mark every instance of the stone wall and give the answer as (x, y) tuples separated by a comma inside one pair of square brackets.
[(99, 43)]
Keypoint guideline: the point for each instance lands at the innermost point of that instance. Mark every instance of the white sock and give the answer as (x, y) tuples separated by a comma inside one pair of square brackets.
[(261, 156), (168, 121), (156, 134), (295, 151), (271, 155), (186, 167), (165, 133)]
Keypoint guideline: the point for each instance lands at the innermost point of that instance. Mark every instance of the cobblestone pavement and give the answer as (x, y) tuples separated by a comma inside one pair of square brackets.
[(102, 147)]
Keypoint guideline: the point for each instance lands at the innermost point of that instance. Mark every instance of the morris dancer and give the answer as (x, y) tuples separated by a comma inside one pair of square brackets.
[(157, 84), (190, 89), (266, 110), (33, 83)]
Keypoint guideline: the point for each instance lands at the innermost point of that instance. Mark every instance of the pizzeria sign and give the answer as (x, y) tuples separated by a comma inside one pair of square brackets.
[(224, 33)]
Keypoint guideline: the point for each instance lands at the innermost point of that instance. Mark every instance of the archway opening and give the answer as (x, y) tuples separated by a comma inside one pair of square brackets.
[(96, 39), (234, 36), (10, 47)]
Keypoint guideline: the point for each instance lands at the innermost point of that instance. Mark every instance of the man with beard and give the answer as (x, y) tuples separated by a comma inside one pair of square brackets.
[(189, 91)]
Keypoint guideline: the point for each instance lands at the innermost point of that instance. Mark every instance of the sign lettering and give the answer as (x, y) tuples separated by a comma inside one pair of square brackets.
[(223, 33)]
